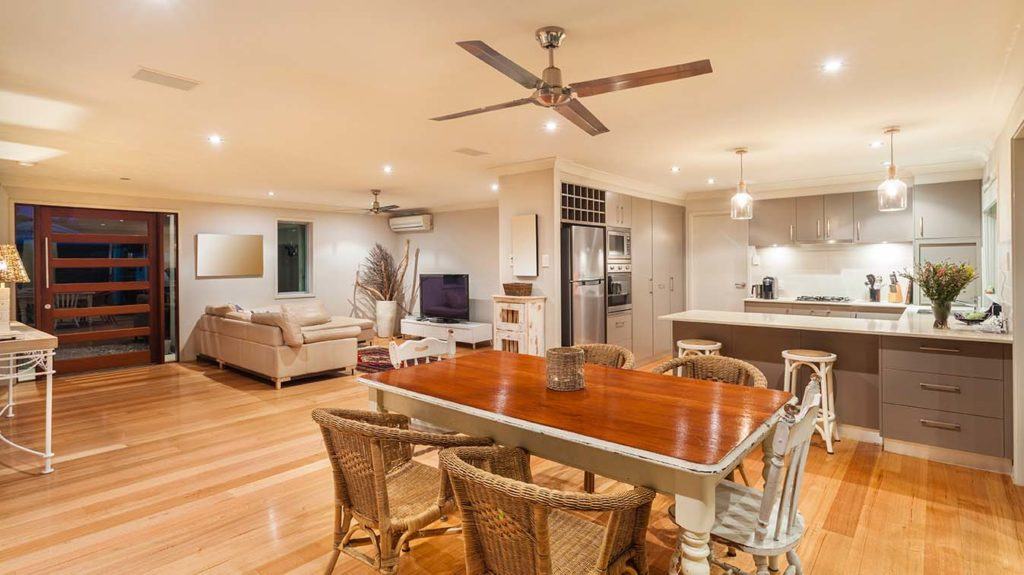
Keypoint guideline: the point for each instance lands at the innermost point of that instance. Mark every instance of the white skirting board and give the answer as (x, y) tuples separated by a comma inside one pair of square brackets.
[(950, 456), (861, 434)]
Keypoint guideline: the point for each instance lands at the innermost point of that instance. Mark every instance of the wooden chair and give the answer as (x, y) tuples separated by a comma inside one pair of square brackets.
[(611, 356), (608, 355), (414, 351), (513, 527), (716, 368), (767, 524), (376, 482)]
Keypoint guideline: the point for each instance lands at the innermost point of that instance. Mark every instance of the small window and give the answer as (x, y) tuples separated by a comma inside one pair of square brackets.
[(293, 258)]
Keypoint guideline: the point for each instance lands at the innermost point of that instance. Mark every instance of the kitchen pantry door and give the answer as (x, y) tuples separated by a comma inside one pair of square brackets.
[(100, 290), (718, 262)]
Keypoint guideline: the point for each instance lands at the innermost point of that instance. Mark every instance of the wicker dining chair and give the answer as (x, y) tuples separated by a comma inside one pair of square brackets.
[(513, 527), (611, 356), (608, 355), (377, 484), (716, 368)]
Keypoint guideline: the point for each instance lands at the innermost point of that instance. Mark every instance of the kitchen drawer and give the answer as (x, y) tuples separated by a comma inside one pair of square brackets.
[(758, 307), (620, 329), (970, 395), (510, 316), (950, 357), (971, 433)]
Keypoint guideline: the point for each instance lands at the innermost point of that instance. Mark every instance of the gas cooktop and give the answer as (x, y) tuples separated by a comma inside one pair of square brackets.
[(823, 298)]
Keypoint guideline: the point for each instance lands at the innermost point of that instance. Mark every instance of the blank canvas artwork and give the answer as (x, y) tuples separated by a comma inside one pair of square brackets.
[(229, 255)]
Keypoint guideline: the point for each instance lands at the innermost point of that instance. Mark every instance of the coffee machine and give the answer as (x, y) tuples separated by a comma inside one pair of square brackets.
[(769, 289)]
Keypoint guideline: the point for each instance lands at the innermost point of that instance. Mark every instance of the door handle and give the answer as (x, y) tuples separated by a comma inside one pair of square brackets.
[(651, 283), (739, 285), (937, 387), (46, 259), (940, 425)]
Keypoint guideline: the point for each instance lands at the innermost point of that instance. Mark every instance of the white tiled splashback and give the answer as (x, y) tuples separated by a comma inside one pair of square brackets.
[(829, 270)]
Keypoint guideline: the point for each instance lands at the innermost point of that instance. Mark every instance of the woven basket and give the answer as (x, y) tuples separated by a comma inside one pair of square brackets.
[(518, 288), (565, 368)]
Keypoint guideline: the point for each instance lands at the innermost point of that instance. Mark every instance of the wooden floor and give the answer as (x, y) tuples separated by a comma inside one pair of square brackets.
[(184, 468)]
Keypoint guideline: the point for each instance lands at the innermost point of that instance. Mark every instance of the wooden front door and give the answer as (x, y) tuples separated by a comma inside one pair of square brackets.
[(100, 290)]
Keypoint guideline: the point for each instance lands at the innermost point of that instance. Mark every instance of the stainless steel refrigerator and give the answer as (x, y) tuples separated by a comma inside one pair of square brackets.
[(584, 298)]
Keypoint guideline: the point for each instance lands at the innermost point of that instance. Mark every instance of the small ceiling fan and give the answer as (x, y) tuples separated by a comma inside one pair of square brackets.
[(549, 92), (375, 208)]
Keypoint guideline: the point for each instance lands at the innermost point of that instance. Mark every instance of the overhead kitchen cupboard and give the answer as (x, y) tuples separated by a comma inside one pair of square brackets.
[(658, 279), (827, 218), (948, 210), (618, 210), (773, 224), (873, 227)]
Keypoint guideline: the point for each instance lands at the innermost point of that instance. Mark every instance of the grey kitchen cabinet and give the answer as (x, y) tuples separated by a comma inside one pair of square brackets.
[(838, 217), (809, 212), (618, 209), (642, 293), (957, 251), (872, 226), (620, 329), (948, 210), (667, 232), (774, 223)]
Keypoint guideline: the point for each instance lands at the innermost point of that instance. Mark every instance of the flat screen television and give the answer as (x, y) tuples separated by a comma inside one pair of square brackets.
[(444, 297)]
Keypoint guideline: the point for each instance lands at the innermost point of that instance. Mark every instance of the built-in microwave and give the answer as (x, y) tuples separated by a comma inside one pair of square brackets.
[(618, 245)]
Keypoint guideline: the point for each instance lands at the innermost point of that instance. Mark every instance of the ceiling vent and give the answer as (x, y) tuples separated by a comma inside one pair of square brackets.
[(470, 152), (165, 79)]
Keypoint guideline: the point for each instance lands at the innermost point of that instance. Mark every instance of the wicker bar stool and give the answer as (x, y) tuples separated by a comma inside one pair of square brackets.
[(513, 527), (376, 482), (820, 363), (608, 355)]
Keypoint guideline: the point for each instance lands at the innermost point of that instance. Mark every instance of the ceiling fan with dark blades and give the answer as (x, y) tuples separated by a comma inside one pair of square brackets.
[(549, 92), (375, 208)]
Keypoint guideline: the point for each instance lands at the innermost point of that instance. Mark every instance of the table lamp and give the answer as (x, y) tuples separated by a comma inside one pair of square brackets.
[(11, 271)]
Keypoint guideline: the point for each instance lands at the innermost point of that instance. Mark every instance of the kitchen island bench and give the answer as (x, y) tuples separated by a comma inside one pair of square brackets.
[(944, 394)]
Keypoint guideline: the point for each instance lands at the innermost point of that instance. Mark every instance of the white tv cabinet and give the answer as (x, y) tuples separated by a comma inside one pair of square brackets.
[(470, 332)]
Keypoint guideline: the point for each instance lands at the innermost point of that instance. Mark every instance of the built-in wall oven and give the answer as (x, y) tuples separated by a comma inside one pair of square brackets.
[(619, 279), (619, 251)]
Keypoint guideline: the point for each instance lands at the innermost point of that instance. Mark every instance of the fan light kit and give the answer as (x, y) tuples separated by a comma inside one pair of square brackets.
[(741, 207), (551, 125), (892, 193), (376, 208), (550, 92)]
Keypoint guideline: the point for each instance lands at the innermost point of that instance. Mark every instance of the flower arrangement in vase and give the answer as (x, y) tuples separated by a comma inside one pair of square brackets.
[(941, 283)]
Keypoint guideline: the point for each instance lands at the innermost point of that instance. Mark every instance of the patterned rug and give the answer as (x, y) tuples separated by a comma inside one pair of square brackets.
[(373, 359)]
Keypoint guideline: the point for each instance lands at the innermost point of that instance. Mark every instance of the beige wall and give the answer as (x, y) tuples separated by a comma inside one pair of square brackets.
[(464, 242), (340, 242)]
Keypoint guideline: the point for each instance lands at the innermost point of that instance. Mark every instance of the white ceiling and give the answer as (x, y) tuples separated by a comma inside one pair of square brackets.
[(314, 97)]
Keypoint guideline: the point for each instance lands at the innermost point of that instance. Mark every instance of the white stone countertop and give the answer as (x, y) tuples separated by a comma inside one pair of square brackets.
[(910, 324), (853, 303)]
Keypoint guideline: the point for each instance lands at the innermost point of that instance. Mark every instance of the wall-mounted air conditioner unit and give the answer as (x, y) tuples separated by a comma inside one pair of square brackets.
[(420, 223)]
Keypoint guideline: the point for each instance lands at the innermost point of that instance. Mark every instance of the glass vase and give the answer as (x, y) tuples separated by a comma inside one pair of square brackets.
[(941, 309)]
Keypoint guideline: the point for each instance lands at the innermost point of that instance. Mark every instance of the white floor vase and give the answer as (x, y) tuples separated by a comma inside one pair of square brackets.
[(387, 312)]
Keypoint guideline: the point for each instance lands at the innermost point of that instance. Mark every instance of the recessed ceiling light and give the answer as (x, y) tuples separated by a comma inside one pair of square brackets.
[(388, 169), (711, 181), (215, 139), (270, 193), (675, 169), (551, 125), (123, 179), (832, 66), (27, 164), (876, 144), (494, 187)]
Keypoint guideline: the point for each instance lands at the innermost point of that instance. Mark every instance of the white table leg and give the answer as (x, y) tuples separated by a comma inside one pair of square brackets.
[(695, 515), (47, 449)]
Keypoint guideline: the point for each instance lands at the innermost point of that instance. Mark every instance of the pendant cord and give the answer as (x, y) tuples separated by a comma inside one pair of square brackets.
[(892, 151)]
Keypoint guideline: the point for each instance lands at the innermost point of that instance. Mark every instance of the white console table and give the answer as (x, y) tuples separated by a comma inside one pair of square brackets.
[(30, 353), (470, 332)]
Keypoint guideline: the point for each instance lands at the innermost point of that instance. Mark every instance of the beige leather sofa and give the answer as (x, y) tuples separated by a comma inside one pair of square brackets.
[(229, 335)]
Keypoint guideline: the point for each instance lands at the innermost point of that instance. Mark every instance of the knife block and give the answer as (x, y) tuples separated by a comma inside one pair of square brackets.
[(896, 294)]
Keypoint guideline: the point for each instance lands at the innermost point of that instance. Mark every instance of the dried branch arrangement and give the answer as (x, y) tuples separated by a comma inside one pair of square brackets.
[(380, 278)]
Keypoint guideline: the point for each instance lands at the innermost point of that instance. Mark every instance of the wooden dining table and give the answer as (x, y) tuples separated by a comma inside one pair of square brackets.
[(676, 435)]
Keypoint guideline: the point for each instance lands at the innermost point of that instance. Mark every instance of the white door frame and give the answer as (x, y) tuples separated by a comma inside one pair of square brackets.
[(1017, 302), (689, 250)]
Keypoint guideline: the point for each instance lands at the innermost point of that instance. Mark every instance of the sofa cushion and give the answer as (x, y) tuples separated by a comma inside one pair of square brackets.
[(223, 309), (306, 313), (344, 321), (244, 315), (313, 336), (247, 331), (290, 330)]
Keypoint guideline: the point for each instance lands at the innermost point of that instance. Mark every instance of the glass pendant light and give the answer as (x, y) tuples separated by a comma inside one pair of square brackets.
[(741, 205), (892, 193)]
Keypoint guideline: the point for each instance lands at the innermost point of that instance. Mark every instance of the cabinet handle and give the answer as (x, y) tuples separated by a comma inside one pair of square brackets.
[(620, 324), (817, 231), (942, 388), (858, 230), (940, 349), (922, 227), (671, 283), (651, 289), (828, 227), (940, 425), (791, 232), (46, 264)]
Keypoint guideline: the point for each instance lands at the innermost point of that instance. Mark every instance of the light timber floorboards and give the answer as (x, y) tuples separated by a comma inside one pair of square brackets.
[(186, 468)]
